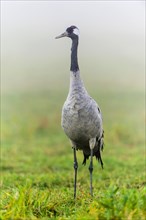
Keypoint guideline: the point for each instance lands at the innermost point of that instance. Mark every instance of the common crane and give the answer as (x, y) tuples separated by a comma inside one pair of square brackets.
[(81, 116)]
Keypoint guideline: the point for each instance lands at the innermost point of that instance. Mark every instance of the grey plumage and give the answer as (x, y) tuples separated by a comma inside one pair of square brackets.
[(81, 116)]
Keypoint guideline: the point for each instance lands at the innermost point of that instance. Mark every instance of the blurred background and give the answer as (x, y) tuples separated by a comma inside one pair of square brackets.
[(111, 50), (35, 66)]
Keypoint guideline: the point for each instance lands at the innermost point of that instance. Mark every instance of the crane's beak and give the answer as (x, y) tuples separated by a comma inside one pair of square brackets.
[(65, 34)]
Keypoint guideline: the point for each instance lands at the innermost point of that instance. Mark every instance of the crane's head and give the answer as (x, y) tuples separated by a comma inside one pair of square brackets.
[(72, 32)]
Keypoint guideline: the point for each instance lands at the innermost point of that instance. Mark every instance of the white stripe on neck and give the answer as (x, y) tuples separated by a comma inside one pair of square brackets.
[(76, 31)]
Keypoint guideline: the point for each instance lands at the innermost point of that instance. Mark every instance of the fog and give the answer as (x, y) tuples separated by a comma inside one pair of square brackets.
[(111, 48)]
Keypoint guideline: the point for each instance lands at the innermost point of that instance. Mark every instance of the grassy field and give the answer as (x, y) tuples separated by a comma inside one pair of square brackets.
[(37, 159)]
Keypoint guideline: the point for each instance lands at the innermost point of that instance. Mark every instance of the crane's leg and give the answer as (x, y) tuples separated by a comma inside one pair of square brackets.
[(92, 143), (75, 168)]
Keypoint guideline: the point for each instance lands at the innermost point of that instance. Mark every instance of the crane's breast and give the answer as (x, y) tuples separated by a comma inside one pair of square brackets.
[(81, 120)]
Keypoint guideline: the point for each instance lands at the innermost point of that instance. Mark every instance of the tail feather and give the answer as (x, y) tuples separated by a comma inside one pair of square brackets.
[(97, 154), (100, 148), (98, 157), (86, 157)]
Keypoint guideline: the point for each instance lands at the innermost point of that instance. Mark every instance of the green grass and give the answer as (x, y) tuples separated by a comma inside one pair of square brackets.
[(37, 159)]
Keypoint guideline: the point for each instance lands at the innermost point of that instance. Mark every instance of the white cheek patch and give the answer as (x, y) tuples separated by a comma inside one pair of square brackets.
[(76, 31)]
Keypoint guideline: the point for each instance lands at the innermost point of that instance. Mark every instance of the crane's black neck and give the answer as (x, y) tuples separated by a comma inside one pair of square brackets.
[(74, 58)]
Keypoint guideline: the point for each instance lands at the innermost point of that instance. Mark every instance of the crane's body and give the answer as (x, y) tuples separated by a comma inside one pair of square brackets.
[(81, 116), (79, 112)]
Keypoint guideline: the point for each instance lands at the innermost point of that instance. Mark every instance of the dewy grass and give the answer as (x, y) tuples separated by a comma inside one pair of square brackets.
[(37, 161)]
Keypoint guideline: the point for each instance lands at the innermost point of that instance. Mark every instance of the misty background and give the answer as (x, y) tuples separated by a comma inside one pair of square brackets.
[(111, 47)]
